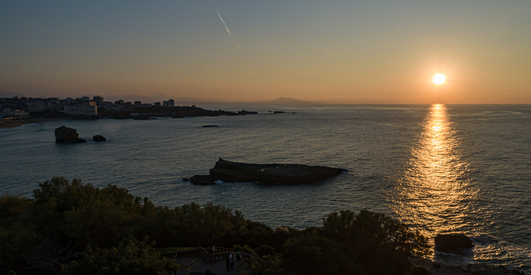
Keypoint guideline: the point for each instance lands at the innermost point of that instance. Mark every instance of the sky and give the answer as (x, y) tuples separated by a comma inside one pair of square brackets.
[(338, 52)]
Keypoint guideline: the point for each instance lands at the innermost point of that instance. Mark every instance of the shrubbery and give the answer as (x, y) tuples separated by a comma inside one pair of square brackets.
[(16, 229), (105, 224), (133, 257)]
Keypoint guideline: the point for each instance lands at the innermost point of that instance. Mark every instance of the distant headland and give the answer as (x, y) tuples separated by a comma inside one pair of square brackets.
[(16, 111)]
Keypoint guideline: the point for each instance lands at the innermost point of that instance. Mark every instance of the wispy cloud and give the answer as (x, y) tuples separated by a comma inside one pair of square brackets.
[(227, 28), (238, 45)]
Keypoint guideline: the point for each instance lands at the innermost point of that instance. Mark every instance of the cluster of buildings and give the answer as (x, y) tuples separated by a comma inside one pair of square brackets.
[(20, 108)]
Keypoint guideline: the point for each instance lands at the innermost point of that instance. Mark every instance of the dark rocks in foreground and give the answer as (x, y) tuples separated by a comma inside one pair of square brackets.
[(435, 268), (64, 134), (229, 171), (452, 242)]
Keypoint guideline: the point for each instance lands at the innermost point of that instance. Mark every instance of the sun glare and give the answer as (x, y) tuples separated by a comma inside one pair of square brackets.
[(439, 79)]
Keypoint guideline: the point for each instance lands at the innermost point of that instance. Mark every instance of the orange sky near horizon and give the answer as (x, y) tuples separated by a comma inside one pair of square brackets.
[(384, 52)]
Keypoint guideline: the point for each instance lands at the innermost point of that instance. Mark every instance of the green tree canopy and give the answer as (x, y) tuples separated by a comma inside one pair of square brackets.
[(66, 211), (107, 222)]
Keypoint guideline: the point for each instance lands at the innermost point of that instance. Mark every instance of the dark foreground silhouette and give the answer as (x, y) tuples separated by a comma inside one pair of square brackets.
[(74, 228)]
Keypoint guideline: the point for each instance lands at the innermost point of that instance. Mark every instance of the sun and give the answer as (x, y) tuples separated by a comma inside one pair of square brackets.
[(439, 79)]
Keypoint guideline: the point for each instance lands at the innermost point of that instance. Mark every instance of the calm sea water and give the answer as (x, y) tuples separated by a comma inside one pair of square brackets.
[(441, 169)]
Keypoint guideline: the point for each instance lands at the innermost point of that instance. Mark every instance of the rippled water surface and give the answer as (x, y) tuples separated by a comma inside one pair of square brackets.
[(456, 168)]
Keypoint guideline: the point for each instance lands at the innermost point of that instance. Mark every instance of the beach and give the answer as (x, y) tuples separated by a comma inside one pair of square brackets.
[(11, 124)]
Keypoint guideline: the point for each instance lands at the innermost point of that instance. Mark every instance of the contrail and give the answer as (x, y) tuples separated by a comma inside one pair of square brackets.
[(227, 28)]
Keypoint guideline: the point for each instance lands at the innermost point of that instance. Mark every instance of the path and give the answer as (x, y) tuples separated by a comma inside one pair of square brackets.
[(217, 267)]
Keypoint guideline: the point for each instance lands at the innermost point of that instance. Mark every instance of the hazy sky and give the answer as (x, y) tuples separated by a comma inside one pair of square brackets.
[(327, 51)]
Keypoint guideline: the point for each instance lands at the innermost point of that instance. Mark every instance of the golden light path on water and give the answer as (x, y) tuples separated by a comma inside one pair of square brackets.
[(434, 193)]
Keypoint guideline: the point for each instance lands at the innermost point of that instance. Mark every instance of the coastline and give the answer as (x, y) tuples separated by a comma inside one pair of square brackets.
[(435, 268), (6, 125)]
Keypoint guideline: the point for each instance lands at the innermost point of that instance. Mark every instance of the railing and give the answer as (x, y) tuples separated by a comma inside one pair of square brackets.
[(204, 255), (208, 256)]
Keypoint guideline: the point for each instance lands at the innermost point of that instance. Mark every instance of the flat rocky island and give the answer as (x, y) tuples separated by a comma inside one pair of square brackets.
[(229, 171)]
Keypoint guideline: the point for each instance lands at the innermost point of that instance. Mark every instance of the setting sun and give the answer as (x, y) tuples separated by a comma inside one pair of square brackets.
[(439, 79)]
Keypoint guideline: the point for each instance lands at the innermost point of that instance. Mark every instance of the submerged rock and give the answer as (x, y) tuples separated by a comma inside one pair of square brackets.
[(452, 242), (203, 180), (229, 171), (98, 138), (64, 134)]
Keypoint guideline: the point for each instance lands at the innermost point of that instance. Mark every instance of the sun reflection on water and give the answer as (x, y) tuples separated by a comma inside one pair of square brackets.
[(434, 193)]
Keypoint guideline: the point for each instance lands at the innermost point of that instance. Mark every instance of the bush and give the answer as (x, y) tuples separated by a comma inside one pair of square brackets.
[(106, 222), (12, 206), (16, 230), (15, 239), (133, 257), (379, 243), (315, 254), (71, 211)]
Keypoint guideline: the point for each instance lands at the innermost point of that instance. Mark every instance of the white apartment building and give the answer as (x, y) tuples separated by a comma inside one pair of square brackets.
[(89, 109)]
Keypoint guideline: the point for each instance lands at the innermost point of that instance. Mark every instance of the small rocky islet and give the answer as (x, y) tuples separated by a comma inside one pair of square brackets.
[(229, 171), (65, 134)]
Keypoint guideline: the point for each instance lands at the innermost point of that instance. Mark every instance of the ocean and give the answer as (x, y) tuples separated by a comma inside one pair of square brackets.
[(438, 168)]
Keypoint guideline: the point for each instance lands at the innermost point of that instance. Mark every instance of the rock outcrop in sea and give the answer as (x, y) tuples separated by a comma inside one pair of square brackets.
[(98, 138), (452, 242), (65, 134), (244, 112), (229, 171)]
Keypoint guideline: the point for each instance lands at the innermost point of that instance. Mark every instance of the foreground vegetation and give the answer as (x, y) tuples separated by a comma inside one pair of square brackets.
[(109, 231)]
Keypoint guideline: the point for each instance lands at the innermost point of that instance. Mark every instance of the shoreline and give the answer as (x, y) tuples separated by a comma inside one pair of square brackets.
[(6, 125), (436, 268)]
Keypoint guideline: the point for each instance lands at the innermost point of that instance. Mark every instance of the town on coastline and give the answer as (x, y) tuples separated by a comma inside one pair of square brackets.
[(16, 109)]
